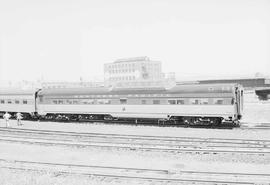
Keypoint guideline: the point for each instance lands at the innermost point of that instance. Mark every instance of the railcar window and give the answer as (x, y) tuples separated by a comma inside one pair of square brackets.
[(107, 101), (218, 101), (242, 99), (232, 101), (204, 101), (123, 101), (2, 101), (84, 102), (69, 102), (60, 102), (17, 101), (9, 101), (91, 101), (41, 99), (100, 101), (181, 102), (155, 102), (194, 101), (55, 101), (24, 101), (75, 102), (104, 101), (200, 101), (143, 102), (172, 102)]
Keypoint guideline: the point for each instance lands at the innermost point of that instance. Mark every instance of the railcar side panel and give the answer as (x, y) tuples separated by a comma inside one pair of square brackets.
[(142, 111), (17, 103)]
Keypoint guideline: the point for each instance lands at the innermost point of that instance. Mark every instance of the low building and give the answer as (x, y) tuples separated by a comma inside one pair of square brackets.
[(247, 83), (57, 85)]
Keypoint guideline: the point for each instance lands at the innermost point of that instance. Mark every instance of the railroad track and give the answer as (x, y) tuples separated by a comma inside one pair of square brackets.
[(135, 142), (249, 126), (138, 174)]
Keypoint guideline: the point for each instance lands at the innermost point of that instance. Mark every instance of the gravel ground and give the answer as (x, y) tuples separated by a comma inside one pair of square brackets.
[(173, 162)]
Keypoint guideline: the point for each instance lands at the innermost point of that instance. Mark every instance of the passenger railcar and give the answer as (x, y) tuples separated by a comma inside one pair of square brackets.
[(17, 100), (184, 104)]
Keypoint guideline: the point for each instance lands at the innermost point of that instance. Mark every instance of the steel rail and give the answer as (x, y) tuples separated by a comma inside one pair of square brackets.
[(215, 182), (179, 150), (134, 143), (130, 136), (134, 169), (130, 170)]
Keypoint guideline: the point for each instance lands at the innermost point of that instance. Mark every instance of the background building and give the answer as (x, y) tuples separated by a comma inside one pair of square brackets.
[(137, 69)]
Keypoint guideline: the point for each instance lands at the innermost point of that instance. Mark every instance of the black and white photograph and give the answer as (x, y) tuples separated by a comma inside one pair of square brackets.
[(138, 92)]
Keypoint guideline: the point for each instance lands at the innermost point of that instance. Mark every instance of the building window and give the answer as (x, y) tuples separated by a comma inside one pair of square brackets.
[(267, 81), (155, 102)]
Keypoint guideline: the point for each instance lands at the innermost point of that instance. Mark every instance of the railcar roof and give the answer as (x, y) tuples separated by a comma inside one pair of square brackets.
[(103, 90), (182, 89), (202, 88), (16, 91), (70, 91)]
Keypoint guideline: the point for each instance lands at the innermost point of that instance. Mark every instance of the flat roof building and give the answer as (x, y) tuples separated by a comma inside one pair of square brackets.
[(132, 70), (248, 83)]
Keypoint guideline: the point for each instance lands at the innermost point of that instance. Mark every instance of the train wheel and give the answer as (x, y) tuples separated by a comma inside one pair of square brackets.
[(236, 123), (215, 122)]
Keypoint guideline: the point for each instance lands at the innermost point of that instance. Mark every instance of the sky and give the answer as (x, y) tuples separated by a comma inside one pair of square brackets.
[(65, 40)]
